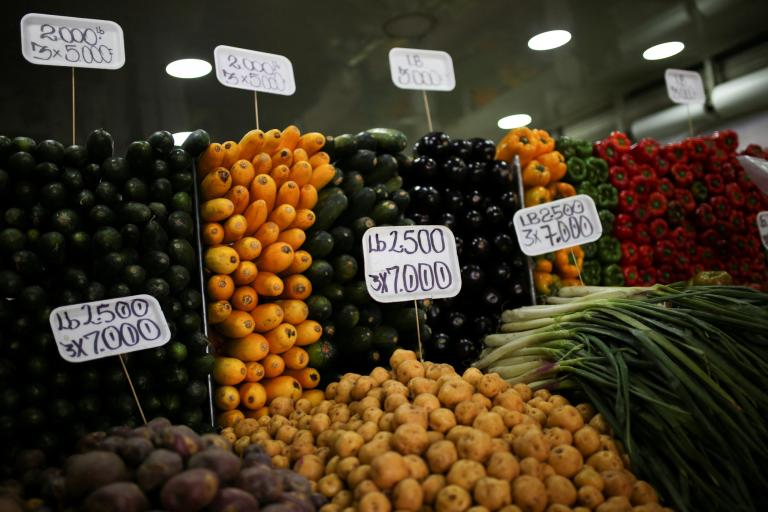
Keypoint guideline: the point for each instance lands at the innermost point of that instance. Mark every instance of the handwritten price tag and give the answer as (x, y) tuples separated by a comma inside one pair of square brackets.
[(426, 70), (84, 332), (51, 40), (411, 262), (684, 86), (254, 71), (762, 226), (551, 226)]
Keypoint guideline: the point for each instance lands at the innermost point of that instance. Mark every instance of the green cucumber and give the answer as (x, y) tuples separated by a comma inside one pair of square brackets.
[(334, 292), (343, 239), (352, 182), (196, 142), (360, 339), (360, 203), (346, 317), (389, 140), (401, 198), (394, 183), (357, 293), (362, 160), (370, 314), (386, 168), (344, 267), (385, 336), (361, 225), (385, 212), (319, 244), (344, 145), (329, 208), (319, 307), (320, 273)]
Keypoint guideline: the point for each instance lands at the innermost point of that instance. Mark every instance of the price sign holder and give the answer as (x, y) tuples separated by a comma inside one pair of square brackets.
[(50, 40), (685, 87), (762, 227), (255, 71), (518, 170), (411, 262)]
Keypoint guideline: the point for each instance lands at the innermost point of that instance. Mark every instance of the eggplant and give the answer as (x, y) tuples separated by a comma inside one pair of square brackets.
[(484, 325), (500, 173), (509, 202), (439, 347), (453, 200), (466, 351), (473, 220), (423, 169), (425, 198), (448, 220), (501, 273), (472, 277), (455, 170), (519, 262), (434, 144), (461, 148), (457, 321), (475, 199), (422, 219), (495, 216), (459, 246), (483, 150), (492, 298), (478, 173), (479, 248), (505, 244)]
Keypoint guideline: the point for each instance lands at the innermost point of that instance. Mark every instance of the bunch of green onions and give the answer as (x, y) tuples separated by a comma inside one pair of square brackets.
[(679, 372)]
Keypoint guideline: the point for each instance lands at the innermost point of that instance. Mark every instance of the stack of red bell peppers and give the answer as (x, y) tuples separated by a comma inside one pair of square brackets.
[(683, 208)]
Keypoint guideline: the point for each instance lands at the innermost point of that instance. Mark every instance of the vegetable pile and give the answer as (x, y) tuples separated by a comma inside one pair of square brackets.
[(358, 332), (683, 208), (459, 184), (677, 372), (81, 224), (158, 465), (422, 437), (258, 196)]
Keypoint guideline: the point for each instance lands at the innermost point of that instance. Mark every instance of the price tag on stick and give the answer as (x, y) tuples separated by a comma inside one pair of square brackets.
[(51, 40), (762, 226), (93, 330), (254, 71), (684, 86), (557, 225), (421, 70), (411, 262)]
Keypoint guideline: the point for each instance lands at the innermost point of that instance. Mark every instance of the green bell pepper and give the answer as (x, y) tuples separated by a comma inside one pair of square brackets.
[(590, 250), (583, 148), (607, 219), (587, 188), (607, 196), (613, 275), (592, 273), (576, 170), (609, 249), (597, 170), (566, 147)]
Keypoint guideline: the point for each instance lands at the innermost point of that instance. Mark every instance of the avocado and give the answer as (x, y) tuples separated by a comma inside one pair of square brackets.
[(99, 145), (72, 179), (32, 298), (91, 174), (67, 297), (161, 190), (156, 262), (65, 221), (94, 291), (131, 235), (135, 213), (46, 171), (115, 169), (75, 156), (189, 322), (320, 308), (107, 193), (53, 195), (196, 142), (159, 212), (23, 144), (130, 254), (172, 308), (196, 393), (10, 283), (53, 247), (75, 277), (178, 278), (154, 236), (179, 160), (4, 180), (135, 190), (38, 216), (322, 354), (84, 200), (157, 287), (161, 142), (159, 169), (118, 290), (80, 242), (6, 146), (346, 317), (114, 262), (191, 299), (15, 217), (182, 253), (12, 240), (180, 225), (139, 156), (107, 239), (182, 201), (101, 215)]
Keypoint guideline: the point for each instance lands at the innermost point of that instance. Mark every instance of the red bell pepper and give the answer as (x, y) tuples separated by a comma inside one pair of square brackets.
[(664, 274), (753, 202), (647, 277), (738, 222), (642, 234), (697, 169), (662, 166), (628, 253), (659, 228), (644, 256), (666, 187), (606, 151), (628, 201), (733, 267), (675, 212), (647, 150), (754, 150), (628, 162), (728, 172), (727, 139), (714, 183), (754, 247), (642, 213), (681, 174), (714, 167), (705, 256), (740, 244), (679, 237), (708, 237), (620, 141), (735, 195), (721, 207), (631, 275), (718, 155), (697, 148), (723, 227), (657, 204), (640, 186), (664, 251), (619, 177), (681, 262), (675, 153), (624, 226), (705, 216), (685, 198)]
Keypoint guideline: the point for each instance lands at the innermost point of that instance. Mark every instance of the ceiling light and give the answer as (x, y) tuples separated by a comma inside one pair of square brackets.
[(188, 68), (514, 121), (549, 40), (180, 137), (663, 50)]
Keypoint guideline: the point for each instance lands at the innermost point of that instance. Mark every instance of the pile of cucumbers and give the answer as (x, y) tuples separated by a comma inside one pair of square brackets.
[(367, 192), (80, 224)]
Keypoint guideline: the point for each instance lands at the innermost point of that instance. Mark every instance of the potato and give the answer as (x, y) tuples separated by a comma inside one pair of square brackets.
[(510, 418), (281, 462), (417, 468), (529, 493), (452, 498), (588, 476), (346, 466), (339, 412), (320, 423), (411, 414), (422, 386), (482, 400), (454, 391), (225, 464), (643, 494), (330, 390), (380, 374), (586, 440), (367, 430), (374, 502), (408, 370), (490, 423), (394, 387), (357, 475), (329, 485), (262, 482), (509, 400), (343, 498), (566, 460), (615, 504), (605, 460), (442, 420), (325, 438), (503, 465), (457, 433), (190, 490), (331, 507), (532, 467), (393, 401), (556, 436), (407, 495), (362, 386), (364, 488), (499, 445), (492, 493), (511, 508), (617, 483), (247, 426), (436, 371), (399, 356), (388, 469), (557, 507), (560, 490), (286, 433), (426, 401), (477, 508), (134, 450), (232, 499), (465, 473), (410, 438), (475, 445), (491, 384), (373, 449), (116, 497), (567, 417), (430, 487), (466, 412), (441, 456), (309, 466), (88, 471), (531, 444), (598, 423), (348, 444), (434, 436), (472, 375), (216, 441), (344, 391), (373, 414), (364, 403), (590, 497)]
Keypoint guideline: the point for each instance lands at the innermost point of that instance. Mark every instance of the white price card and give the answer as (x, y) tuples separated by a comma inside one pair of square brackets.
[(684, 86), (762, 226), (426, 70), (254, 71), (411, 262), (92, 330), (756, 169), (557, 225), (51, 40)]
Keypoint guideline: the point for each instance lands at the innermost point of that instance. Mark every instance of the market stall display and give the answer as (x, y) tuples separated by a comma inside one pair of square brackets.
[(677, 372)]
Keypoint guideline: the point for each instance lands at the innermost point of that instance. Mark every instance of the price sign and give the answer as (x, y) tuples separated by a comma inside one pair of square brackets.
[(762, 226), (422, 70), (84, 332), (684, 86), (51, 40), (557, 225), (254, 71), (411, 262)]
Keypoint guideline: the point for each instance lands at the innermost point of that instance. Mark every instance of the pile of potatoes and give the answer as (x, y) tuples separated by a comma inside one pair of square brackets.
[(422, 437)]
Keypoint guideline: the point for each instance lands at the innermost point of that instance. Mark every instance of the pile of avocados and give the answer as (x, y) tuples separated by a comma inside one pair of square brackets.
[(367, 191), (80, 224)]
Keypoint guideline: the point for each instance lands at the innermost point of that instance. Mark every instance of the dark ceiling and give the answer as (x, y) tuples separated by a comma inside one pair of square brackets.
[(339, 53)]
